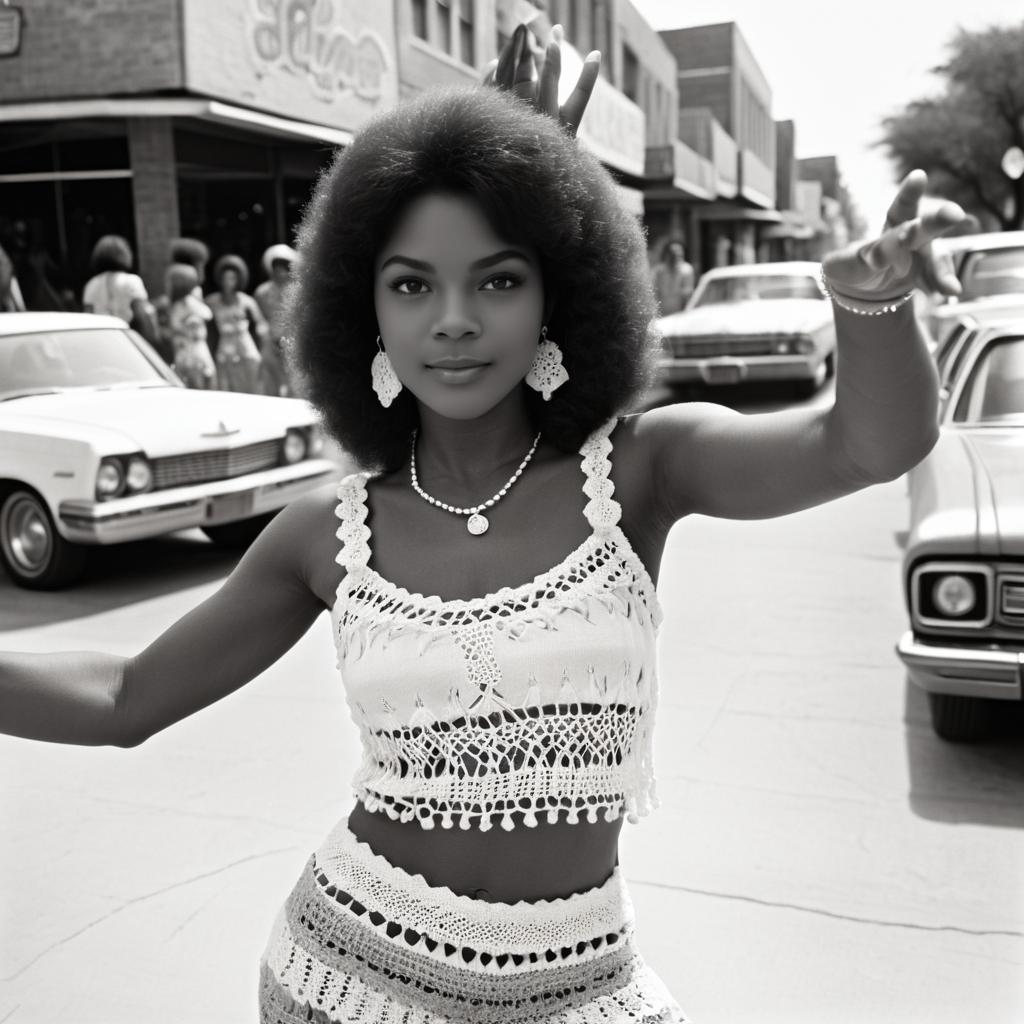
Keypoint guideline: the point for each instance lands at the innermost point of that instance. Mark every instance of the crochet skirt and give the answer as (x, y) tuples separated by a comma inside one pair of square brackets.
[(362, 940)]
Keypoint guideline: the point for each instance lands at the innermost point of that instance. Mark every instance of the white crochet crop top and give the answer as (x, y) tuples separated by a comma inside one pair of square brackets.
[(537, 700)]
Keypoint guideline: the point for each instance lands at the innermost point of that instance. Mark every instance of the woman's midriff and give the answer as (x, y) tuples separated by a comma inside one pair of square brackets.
[(546, 862)]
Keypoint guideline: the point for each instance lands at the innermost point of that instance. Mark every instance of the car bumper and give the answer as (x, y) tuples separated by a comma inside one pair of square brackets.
[(737, 369), (996, 673), (179, 508)]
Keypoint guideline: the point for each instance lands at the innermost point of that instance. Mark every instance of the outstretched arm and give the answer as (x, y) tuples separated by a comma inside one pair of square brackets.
[(92, 699), (713, 461)]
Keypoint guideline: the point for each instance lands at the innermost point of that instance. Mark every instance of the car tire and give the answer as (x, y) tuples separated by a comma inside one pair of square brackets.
[(34, 554), (239, 534), (960, 719)]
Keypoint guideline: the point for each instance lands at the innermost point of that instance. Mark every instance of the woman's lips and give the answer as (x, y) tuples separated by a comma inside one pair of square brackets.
[(457, 373)]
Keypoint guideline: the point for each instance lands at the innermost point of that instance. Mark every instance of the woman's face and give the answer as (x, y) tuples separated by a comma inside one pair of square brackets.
[(459, 308), (229, 281)]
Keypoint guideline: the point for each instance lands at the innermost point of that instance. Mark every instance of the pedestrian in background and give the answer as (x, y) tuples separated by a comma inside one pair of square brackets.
[(115, 291), (270, 296), (182, 251), (672, 278), (11, 300), (187, 317), (240, 327)]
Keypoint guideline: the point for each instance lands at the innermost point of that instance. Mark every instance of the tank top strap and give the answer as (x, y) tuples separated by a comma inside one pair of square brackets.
[(602, 511), (353, 532)]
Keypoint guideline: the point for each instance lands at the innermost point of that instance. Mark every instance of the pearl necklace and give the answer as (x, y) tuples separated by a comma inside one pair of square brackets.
[(477, 523)]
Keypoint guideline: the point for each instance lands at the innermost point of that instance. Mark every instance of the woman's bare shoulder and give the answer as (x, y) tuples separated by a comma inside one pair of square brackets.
[(307, 532)]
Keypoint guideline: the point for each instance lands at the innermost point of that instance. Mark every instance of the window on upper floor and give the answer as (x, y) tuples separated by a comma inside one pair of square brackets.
[(601, 33), (419, 19), (630, 74), (443, 12), (467, 46)]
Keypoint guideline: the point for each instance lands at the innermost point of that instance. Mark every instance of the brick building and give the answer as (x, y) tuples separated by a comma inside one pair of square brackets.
[(154, 118), (725, 116)]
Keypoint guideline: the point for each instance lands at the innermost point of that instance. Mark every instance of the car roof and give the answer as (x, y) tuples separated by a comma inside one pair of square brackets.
[(35, 323), (782, 267), (995, 316), (984, 240)]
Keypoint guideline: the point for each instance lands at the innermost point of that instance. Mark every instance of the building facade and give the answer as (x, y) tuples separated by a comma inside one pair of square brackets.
[(725, 116), (155, 119)]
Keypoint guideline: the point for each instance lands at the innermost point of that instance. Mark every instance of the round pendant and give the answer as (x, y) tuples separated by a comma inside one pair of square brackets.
[(477, 524)]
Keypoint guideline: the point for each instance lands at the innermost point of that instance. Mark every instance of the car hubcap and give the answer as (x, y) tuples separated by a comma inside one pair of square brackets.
[(27, 537)]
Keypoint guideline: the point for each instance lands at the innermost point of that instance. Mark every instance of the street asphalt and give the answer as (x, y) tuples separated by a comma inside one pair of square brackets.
[(819, 856)]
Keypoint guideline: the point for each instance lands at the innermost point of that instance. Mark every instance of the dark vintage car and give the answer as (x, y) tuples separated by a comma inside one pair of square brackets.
[(100, 443), (752, 322), (964, 563)]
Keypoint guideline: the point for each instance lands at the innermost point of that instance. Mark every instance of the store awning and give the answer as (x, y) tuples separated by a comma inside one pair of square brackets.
[(730, 211), (213, 111)]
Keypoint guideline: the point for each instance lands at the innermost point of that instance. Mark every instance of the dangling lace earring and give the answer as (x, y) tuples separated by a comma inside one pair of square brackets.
[(547, 373), (385, 381)]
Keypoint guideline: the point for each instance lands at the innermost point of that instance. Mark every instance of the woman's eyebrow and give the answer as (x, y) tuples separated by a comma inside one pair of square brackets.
[(486, 261)]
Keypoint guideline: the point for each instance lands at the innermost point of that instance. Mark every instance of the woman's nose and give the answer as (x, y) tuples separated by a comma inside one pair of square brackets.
[(458, 319)]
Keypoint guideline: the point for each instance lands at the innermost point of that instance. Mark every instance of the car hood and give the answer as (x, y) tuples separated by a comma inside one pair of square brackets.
[(782, 316), (159, 421), (967, 496)]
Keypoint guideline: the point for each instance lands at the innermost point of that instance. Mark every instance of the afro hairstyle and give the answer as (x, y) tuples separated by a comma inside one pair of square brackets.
[(536, 186)]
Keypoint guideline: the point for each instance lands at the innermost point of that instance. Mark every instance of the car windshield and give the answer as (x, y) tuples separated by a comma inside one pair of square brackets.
[(50, 361), (996, 272), (994, 392), (750, 287)]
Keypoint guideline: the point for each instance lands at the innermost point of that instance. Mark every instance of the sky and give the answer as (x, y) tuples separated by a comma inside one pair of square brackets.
[(837, 69)]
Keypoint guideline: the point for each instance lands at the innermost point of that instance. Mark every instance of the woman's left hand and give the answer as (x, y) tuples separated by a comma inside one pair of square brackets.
[(901, 258), (515, 70)]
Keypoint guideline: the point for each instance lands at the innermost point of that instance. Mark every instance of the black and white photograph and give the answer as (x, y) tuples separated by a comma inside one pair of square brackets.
[(511, 512)]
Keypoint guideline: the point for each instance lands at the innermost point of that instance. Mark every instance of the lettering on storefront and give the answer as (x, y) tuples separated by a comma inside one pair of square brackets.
[(10, 31), (306, 39)]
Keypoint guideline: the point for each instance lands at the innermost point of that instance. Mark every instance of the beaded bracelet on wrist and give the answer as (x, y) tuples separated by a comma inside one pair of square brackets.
[(888, 306)]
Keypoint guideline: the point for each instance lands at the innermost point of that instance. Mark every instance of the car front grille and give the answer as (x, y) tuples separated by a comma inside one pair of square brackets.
[(199, 467), (703, 348), (1011, 600)]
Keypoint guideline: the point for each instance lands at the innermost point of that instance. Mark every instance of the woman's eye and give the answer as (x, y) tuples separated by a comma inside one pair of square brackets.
[(409, 286), (502, 282)]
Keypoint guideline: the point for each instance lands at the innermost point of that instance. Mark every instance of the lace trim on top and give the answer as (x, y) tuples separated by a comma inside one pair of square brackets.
[(578, 746)]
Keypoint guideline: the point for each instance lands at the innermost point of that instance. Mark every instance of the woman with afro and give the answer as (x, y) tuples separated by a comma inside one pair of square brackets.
[(473, 320)]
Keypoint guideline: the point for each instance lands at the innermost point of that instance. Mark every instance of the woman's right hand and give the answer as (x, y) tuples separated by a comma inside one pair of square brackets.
[(515, 70)]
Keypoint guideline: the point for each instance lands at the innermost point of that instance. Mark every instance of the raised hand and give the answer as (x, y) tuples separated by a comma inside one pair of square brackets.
[(901, 258), (516, 71)]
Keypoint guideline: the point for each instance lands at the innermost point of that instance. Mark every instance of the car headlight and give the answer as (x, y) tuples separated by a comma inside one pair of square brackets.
[(316, 442), (803, 345), (109, 479), (295, 447), (953, 595), (139, 475), (782, 346)]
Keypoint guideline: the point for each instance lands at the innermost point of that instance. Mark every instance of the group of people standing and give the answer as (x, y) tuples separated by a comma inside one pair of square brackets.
[(226, 340)]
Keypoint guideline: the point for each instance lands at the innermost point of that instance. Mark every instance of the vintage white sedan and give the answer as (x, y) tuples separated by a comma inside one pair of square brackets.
[(990, 269), (964, 563), (100, 443), (752, 322)]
